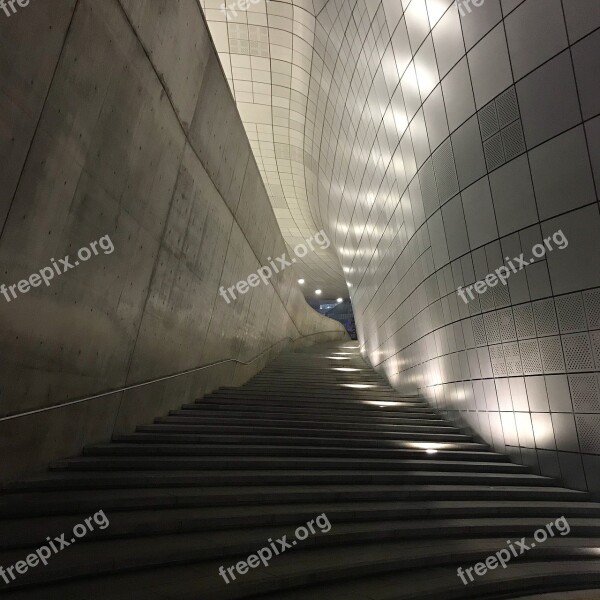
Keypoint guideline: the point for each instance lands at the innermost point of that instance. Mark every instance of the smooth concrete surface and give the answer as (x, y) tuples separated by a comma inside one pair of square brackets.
[(117, 120)]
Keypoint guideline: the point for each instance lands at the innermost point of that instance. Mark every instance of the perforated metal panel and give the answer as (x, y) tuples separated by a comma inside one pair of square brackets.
[(592, 308), (507, 107), (578, 352), (524, 321), (259, 49), (491, 327), (488, 120), (239, 46), (585, 393), (487, 301), (512, 357), (552, 357), (498, 362), (474, 306), (479, 331), (494, 152), (571, 315), (506, 322), (595, 339), (501, 296), (545, 317), (588, 429), (530, 357), (513, 140)]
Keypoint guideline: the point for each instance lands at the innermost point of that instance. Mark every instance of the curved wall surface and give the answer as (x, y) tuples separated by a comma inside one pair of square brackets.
[(457, 137), (446, 142), (118, 128)]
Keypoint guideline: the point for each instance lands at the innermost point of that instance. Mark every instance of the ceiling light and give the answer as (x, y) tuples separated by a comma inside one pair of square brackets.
[(318, 292), (340, 300), (338, 358), (301, 281), (345, 369), (431, 451)]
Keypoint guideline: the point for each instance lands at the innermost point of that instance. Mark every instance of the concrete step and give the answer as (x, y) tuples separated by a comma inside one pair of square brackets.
[(400, 570), (242, 412), (27, 531), (338, 395), (164, 425), (191, 417), (466, 452), (91, 557), (132, 479), (267, 401), (165, 436), (192, 463), (358, 411), (531, 573), (22, 502)]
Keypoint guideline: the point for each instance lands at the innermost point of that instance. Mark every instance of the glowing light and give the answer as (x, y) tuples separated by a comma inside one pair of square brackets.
[(426, 78), (340, 300), (301, 281), (338, 358), (436, 9), (429, 447), (318, 292), (345, 369), (358, 386)]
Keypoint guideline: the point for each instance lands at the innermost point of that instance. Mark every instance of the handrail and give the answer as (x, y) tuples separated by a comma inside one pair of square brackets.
[(158, 379)]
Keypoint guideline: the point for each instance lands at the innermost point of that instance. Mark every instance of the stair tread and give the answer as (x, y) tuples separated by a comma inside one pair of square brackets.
[(399, 561)]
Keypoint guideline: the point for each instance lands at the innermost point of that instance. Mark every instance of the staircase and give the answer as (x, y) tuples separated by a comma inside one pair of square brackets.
[(408, 496)]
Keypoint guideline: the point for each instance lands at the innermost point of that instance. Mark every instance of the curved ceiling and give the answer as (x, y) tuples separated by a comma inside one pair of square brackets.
[(274, 71)]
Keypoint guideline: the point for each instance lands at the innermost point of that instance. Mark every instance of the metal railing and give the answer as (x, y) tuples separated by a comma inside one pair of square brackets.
[(165, 378)]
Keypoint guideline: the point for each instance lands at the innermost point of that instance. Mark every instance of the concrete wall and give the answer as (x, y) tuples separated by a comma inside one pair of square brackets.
[(454, 135), (116, 120)]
